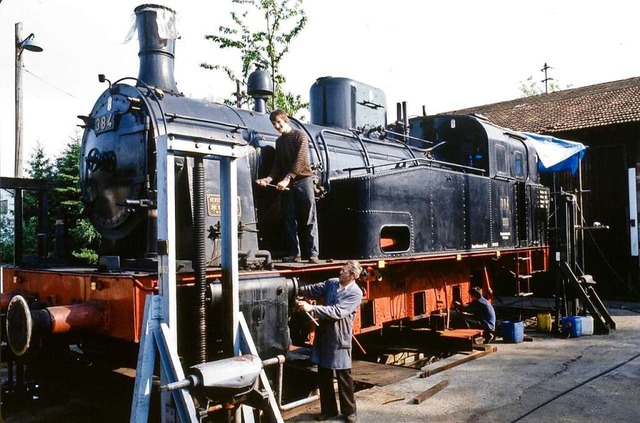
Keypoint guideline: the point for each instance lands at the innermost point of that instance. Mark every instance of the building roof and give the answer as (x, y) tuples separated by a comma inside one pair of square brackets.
[(603, 104)]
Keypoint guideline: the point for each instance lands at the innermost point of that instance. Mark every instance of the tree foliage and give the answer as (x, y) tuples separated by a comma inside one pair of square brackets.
[(63, 174), (530, 87), (39, 167), (261, 33), (65, 196)]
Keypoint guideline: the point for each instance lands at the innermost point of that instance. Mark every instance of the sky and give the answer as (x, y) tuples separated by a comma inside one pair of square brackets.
[(438, 55)]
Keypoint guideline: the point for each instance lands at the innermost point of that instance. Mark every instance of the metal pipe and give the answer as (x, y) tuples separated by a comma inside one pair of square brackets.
[(298, 403), (75, 316), (279, 387), (25, 327)]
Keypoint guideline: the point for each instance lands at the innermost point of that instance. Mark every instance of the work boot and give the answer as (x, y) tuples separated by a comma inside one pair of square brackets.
[(351, 418)]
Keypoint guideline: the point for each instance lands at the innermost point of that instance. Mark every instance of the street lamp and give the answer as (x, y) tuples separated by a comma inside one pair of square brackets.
[(21, 45)]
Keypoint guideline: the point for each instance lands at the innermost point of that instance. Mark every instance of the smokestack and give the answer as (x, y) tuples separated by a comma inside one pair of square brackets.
[(157, 33)]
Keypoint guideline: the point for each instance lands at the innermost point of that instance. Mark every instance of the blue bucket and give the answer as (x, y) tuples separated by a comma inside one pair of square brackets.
[(512, 331), (572, 325)]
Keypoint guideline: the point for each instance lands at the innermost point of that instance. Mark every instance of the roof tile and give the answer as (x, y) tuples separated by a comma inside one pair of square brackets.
[(577, 108)]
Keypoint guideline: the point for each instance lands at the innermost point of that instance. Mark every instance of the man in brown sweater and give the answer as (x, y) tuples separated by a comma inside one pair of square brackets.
[(292, 168)]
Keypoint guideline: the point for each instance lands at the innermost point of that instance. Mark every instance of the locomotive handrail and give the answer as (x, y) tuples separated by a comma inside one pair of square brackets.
[(420, 162), (408, 136), (325, 183), (505, 178), (235, 126), (151, 91), (313, 142), (367, 159), (404, 144)]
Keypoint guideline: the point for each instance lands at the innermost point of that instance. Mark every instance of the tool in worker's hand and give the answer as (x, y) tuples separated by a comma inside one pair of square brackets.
[(312, 319), (298, 299), (274, 186)]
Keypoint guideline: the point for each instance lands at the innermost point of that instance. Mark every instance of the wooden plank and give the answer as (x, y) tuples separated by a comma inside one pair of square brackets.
[(460, 333), (430, 392), (364, 371), (379, 374), (463, 360)]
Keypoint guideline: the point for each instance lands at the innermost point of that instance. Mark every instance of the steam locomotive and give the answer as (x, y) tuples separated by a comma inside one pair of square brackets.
[(429, 205)]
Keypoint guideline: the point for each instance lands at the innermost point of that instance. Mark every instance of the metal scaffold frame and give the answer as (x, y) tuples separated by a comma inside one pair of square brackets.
[(159, 331)]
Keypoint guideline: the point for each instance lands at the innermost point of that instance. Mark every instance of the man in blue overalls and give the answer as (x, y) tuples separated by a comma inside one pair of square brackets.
[(332, 345)]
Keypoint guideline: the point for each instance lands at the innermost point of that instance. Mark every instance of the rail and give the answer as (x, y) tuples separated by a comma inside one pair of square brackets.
[(236, 127)]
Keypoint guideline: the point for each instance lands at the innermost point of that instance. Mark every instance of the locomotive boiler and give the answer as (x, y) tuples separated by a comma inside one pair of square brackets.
[(429, 205)]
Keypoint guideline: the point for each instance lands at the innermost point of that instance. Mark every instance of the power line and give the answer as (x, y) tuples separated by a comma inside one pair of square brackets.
[(50, 85)]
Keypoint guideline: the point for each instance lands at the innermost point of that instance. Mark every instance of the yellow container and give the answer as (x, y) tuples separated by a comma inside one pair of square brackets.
[(544, 322)]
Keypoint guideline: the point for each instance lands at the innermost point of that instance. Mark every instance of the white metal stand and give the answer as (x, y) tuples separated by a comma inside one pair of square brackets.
[(159, 334)]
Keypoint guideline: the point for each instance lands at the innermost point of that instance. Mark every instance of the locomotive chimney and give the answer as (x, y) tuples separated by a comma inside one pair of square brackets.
[(157, 33)]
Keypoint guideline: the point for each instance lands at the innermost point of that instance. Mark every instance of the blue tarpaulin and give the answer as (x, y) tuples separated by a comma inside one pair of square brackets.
[(555, 154)]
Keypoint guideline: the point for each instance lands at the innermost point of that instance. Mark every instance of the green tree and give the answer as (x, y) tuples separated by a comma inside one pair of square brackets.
[(6, 238), (82, 238), (39, 167), (63, 174), (280, 22), (530, 87)]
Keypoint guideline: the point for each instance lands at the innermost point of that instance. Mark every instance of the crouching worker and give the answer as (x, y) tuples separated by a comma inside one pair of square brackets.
[(479, 314), (332, 345)]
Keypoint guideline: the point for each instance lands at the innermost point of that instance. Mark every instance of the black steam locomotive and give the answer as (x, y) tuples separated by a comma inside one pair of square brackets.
[(426, 203), (381, 194)]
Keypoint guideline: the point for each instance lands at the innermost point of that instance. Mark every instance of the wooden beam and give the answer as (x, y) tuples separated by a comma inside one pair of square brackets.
[(463, 360), (430, 392)]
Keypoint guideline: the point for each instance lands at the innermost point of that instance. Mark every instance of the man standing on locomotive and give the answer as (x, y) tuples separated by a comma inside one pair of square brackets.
[(332, 344), (292, 168)]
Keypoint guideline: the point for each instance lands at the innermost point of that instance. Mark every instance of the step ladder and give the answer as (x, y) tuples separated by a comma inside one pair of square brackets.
[(523, 275), (584, 286)]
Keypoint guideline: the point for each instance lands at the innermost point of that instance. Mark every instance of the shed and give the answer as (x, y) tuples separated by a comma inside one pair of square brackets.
[(606, 118)]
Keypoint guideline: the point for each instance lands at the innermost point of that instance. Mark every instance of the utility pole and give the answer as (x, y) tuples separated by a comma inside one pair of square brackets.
[(546, 78), (21, 46), (18, 98)]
